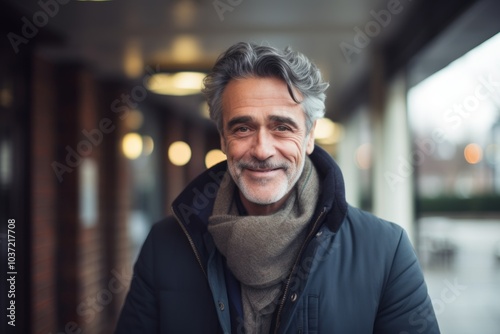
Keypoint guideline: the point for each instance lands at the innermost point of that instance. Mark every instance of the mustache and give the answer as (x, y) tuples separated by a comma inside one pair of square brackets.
[(262, 165)]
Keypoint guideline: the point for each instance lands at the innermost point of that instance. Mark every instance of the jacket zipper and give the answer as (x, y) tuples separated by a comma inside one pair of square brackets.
[(195, 251), (287, 286), (191, 242)]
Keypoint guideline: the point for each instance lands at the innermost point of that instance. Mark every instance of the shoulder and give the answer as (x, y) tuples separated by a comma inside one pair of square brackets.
[(377, 246), (366, 225), (164, 227), (167, 247), (164, 235), (371, 240)]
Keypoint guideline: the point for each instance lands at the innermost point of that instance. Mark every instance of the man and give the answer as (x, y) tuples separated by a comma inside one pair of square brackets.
[(265, 242)]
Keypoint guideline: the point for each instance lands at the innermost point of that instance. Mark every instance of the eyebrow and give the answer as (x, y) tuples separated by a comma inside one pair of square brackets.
[(284, 120), (238, 120), (274, 118)]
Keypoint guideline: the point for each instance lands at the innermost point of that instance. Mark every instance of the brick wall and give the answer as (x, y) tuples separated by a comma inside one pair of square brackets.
[(80, 268), (81, 271), (115, 194), (90, 256), (43, 200)]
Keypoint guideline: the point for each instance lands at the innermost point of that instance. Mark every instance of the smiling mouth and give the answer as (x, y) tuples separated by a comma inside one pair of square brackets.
[(262, 173), (258, 170)]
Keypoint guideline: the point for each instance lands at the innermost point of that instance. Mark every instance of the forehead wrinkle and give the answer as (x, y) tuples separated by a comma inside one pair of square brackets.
[(236, 96), (251, 97), (258, 102)]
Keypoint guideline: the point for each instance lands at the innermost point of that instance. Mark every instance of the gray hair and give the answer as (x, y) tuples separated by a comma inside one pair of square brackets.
[(244, 60)]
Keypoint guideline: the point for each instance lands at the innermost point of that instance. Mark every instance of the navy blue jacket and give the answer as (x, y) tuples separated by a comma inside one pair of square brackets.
[(355, 273)]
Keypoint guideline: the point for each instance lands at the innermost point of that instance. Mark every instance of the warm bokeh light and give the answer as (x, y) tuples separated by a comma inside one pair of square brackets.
[(179, 84), (213, 157), (179, 153), (364, 156), (324, 128), (473, 153), (184, 13), (148, 144), (327, 132), (133, 63), (186, 49), (6, 97), (132, 145), (205, 110), (133, 119)]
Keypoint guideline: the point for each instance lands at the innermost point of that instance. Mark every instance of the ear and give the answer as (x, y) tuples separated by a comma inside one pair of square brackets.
[(310, 140)]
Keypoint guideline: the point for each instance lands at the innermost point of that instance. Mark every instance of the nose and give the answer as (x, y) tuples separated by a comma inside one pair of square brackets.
[(263, 146)]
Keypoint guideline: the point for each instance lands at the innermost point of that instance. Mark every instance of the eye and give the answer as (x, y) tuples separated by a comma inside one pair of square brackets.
[(282, 128), (242, 129)]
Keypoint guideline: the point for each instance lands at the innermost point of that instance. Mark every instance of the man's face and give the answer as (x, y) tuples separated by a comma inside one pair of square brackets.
[(265, 140)]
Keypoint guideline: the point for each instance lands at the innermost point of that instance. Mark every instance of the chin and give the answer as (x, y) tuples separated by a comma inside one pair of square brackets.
[(257, 198), (263, 201)]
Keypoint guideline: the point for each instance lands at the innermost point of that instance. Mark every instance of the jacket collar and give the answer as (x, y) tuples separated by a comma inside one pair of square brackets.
[(194, 205), (332, 197)]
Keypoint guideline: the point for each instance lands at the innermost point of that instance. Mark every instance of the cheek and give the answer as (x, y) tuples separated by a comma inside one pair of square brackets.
[(235, 149), (291, 151)]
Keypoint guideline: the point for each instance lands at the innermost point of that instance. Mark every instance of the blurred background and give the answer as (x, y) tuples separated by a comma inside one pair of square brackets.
[(102, 125)]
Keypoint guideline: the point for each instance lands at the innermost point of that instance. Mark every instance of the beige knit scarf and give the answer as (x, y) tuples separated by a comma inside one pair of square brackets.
[(260, 250)]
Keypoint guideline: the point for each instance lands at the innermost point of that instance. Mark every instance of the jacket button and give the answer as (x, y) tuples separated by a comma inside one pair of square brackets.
[(319, 233), (221, 306), (293, 297)]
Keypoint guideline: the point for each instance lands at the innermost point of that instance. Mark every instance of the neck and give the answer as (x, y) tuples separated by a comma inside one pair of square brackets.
[(255, 209)]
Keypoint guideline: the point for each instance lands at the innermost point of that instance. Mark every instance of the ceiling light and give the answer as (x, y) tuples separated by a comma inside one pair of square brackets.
[(186, 49), (179, 84), (184, 13), (132, 62), (134, 119)]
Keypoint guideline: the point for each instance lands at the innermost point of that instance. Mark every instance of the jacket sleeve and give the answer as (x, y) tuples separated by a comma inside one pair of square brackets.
[(405, 305), (140, 312)]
